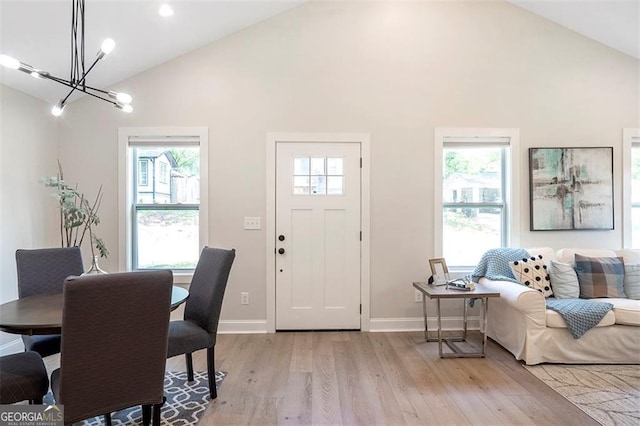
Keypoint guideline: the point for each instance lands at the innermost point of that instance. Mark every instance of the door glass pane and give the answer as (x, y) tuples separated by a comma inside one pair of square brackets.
[(334, 185), (301, 166), (469, 232), (301, 185), (318, 185), (334, 166), (317, 166)]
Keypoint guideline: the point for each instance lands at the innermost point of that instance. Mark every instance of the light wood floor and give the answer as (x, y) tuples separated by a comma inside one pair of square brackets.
[(355, 378)]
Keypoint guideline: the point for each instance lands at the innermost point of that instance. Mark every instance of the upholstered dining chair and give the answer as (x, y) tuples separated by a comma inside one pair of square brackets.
[(42, 271), (23, 377), (114, 344), (199, 327)]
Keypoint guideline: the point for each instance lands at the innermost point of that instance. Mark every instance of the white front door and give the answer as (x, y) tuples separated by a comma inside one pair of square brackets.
[(317, 235)]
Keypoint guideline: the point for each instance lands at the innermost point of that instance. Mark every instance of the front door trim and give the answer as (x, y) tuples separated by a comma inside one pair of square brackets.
[(270, 219)]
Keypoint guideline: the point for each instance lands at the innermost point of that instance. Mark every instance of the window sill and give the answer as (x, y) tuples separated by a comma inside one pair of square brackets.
[(182, 277)]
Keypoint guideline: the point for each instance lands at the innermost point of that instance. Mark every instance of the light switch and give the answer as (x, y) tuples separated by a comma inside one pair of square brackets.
[(252, 223)]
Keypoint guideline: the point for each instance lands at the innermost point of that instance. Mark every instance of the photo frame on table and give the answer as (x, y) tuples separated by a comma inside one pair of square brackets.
[(439, 271), (571, 188)]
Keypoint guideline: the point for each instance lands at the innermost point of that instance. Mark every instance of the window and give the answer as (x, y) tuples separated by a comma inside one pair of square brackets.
[(164, 172), (475, 199), (631, 188), (164, 225), (318, 176), (143, 175)]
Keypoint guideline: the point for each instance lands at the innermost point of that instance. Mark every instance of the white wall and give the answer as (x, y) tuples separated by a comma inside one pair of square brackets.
[(28, 151), (395, 70)]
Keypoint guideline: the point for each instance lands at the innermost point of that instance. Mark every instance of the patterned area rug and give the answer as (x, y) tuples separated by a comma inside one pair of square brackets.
[(610, 394), (186, 402)]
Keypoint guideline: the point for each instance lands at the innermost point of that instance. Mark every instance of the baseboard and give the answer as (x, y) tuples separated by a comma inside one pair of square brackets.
[(12, 347), (242, 327), (417, 324)]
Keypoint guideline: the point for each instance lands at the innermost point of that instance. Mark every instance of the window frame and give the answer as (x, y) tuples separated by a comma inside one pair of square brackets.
[(511, 176), (630, 139), (175, 136)]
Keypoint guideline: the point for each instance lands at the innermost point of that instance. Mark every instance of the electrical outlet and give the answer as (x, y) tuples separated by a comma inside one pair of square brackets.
[(244, 298), (417, 297)]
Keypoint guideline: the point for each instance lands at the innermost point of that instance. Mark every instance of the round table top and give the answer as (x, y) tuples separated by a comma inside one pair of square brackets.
[(42, 314)]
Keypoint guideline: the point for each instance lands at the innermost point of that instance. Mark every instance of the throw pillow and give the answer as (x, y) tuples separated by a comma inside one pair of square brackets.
[(632, 280), (600, 276), (533, 273), (564, 280)]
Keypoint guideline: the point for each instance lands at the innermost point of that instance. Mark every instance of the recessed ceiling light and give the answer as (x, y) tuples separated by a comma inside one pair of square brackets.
[(165, 10)]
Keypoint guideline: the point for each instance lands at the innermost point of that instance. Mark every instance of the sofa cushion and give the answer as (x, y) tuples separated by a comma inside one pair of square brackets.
[(632, 280), (547, 253), (564, 280), (567, 255), (532, 272), (555, 320), (627, 311), (629, 255), (600, 276)]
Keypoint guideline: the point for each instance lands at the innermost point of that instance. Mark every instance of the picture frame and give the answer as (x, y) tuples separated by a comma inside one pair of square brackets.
[(571, 188), (439, 271)]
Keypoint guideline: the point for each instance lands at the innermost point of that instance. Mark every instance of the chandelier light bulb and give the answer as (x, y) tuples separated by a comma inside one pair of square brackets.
[(9, 62), (165, 10), (107, 46), (121, 97), (126, 108), (57, 109)]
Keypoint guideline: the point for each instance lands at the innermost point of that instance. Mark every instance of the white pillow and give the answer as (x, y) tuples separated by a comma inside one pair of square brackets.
[(564, 280), (632, 280), (532, 273)]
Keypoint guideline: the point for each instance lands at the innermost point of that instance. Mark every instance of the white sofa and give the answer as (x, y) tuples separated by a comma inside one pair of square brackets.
[(519, 321)]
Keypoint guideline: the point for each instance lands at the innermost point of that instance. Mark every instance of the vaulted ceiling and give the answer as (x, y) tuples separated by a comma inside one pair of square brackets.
[(38, 32)]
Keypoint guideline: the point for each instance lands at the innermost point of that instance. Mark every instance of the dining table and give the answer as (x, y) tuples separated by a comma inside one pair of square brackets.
[(42, 313)]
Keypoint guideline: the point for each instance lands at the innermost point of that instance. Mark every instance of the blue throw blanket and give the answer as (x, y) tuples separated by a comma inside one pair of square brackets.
[(494, 264), (580, 315)]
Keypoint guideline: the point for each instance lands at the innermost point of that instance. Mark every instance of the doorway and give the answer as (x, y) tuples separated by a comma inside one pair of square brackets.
[(317, 232)]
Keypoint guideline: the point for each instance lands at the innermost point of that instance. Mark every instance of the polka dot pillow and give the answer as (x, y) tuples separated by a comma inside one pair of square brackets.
[(533, 273)]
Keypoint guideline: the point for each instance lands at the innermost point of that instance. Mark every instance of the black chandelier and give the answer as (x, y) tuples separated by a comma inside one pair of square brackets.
[(78, 75)]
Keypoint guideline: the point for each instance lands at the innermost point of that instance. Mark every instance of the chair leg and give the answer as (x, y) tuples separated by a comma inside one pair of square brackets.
[(146, 415), (107, 419), (157, 408), (189, 359), (211, 373)]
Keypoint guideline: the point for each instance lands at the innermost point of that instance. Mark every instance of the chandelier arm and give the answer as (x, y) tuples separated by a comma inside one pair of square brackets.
[(81, 80), (75, 88)]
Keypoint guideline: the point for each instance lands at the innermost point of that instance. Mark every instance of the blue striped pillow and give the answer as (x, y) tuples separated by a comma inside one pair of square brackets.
[(600, 276)]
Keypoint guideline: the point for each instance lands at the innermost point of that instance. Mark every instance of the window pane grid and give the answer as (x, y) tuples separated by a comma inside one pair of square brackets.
[(318, 176)]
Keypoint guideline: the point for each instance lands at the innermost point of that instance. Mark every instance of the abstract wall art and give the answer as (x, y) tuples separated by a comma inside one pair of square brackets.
[(571, 188)]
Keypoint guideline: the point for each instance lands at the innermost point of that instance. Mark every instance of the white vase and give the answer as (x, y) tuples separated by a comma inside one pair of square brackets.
[(95, 268)]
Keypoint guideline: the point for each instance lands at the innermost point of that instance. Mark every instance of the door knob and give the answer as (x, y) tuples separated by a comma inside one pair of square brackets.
[(281, 250)]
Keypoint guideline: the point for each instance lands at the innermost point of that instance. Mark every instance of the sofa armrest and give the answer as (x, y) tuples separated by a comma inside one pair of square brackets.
[(530, 303)]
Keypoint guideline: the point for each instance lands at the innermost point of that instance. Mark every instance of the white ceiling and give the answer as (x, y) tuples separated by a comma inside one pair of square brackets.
[(37, 32)]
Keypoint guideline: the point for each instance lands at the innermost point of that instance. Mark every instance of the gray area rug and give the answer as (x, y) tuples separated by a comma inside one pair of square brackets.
[(610, 394), (186, 401)]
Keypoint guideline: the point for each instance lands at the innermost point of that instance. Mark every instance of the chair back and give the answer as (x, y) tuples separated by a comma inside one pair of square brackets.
[(114, 342), (207, 288), (43, 271)]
